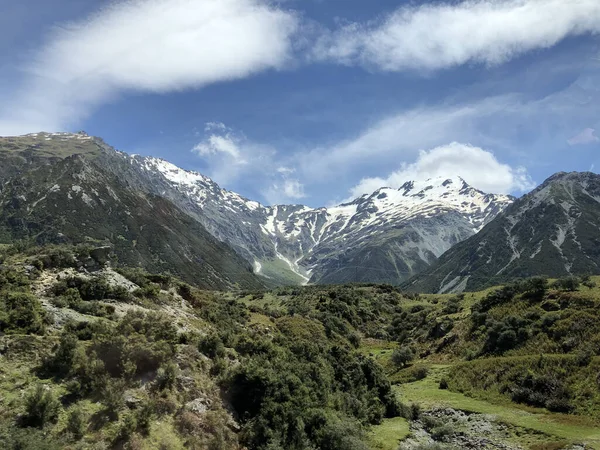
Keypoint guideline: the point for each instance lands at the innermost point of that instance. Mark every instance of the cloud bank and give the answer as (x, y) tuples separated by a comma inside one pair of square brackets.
[(443, 35), (147, 45)]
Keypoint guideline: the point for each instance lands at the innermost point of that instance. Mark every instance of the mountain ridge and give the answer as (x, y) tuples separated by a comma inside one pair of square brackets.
[(396, 232), (552, 231)]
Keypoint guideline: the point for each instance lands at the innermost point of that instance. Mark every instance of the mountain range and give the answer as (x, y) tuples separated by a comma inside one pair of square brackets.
[(438, 235)]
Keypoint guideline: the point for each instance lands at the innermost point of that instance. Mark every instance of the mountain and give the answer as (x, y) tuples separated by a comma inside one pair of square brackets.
[(387, 236), (57, 188), (552, 231)]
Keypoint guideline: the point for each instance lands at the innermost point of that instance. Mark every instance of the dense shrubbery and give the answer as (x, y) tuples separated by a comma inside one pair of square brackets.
[(305, 385), (41, 407), (138, 344), (20, 311), (512, 317)]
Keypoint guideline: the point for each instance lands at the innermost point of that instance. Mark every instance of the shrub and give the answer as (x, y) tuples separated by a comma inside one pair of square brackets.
[(28, 439), (76, 423), (442, 432), (144, 417), (151, 290), (570, 284), (112, 399), (584, 357), (41, 407), (166, 376), (21, 312), (415, 411), (61, 363), (212, 345), (402, 356)]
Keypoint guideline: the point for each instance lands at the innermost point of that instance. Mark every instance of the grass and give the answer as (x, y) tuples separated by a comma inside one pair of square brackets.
[(387, 435), (427, 393)]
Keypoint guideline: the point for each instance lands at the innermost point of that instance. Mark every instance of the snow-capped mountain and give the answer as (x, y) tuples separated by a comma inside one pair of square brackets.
[(387, 236), (552, 231)]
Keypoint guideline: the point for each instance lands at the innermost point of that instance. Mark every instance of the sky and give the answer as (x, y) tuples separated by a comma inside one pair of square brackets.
[(315, 102)]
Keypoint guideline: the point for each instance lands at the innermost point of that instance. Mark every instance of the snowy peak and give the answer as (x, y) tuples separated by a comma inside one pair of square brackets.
[(295, 243), (449, 208)]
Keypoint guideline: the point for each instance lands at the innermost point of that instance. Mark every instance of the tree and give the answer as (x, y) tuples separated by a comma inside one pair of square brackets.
[(402, 356), (76, 423)]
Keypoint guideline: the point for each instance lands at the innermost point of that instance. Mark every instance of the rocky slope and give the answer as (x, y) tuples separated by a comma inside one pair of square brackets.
[(387, 236), (552, 231), (58, 189)]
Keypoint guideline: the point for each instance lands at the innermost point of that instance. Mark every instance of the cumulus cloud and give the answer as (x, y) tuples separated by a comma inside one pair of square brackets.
[(284, 188), (147, 45), (220, 141), (442, 35), (586, 136), (478, 167)]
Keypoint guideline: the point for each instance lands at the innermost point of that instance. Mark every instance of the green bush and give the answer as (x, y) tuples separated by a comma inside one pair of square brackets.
[(402, 356), (76, 423), (61, 362), (112, 399), (41, 407), (212, 346), (21, 312), (570, 284)]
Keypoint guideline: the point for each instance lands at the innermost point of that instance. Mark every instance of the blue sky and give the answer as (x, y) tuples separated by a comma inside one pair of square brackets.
[(315, 101)]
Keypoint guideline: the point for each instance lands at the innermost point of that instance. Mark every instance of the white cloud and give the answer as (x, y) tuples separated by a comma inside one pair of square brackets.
[(147, 45), (476, 166), (232, 158), (221, 141), (293, 189), (442, 35), (399, 136), (586, 136), (284, 191), (286, 170)]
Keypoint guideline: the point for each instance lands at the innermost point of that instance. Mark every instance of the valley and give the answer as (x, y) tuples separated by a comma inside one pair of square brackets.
[(144, 307)]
